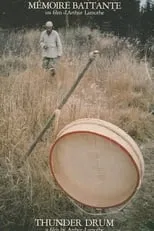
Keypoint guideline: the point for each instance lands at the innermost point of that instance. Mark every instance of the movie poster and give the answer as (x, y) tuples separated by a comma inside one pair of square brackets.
[(76, 115)]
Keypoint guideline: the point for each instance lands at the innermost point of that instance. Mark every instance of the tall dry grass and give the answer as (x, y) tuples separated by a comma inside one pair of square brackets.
[(116, 88)]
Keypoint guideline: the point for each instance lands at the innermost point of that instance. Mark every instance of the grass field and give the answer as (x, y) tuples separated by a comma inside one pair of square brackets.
[(116, 88)]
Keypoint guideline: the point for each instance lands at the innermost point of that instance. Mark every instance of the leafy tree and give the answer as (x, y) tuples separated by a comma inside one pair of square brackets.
[(147, 21)]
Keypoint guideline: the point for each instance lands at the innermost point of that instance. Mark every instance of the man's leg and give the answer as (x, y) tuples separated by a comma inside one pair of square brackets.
[(45, 63), (52, 66)]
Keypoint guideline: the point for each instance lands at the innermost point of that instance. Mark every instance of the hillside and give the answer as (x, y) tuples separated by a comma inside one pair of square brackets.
[(117, 88)]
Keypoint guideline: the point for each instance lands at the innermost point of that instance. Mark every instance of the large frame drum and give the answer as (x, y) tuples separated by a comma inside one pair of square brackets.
[(96, 163)]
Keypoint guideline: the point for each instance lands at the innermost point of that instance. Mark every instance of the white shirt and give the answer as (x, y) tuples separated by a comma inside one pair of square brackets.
[(53, 43)]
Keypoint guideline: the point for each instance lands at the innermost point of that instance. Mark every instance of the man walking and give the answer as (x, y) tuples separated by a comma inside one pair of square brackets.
[(51, 47)]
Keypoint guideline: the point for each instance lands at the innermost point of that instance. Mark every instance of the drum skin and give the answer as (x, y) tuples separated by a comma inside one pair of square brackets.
[(96, 163)]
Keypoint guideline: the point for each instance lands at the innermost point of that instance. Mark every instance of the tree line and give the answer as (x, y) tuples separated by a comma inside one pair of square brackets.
[(133, 20)]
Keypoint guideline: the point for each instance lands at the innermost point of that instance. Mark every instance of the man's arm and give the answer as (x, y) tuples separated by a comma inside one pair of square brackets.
[(59, 45), (42, 44)]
